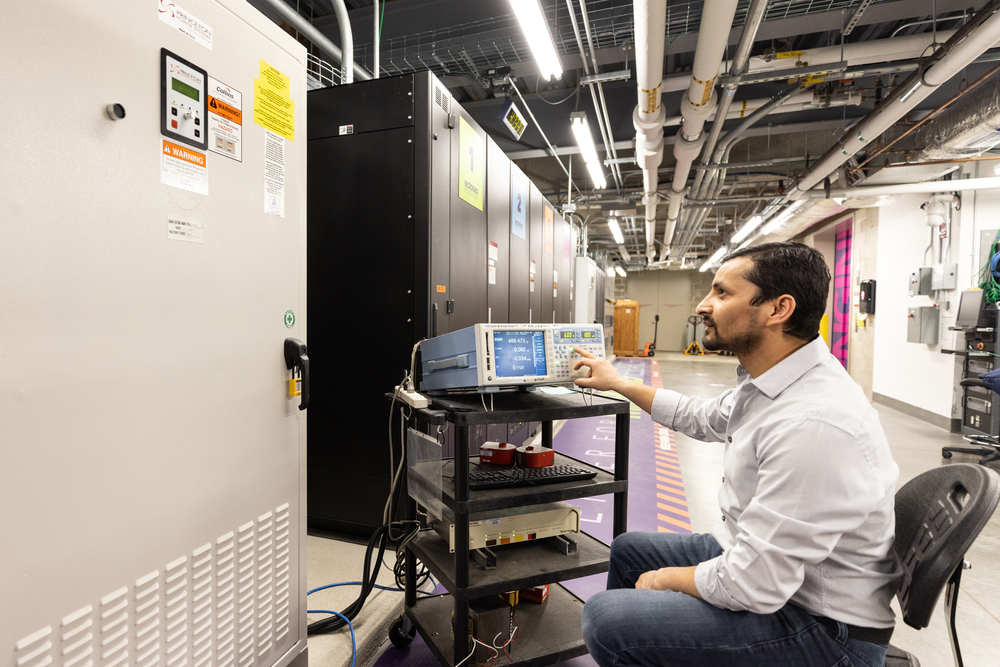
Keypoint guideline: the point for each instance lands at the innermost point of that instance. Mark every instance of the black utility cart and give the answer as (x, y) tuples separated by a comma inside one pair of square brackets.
[(549, 632)]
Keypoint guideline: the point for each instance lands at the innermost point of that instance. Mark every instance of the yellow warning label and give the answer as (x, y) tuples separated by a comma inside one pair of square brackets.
[(789, 54), (273, 108), (652, 99), (707, 94), (442, 289)]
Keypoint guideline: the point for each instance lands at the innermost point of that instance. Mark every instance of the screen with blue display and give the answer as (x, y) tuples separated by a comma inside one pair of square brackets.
[(519, 353)]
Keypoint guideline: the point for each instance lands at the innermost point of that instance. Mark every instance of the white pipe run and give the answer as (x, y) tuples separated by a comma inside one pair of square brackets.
[(650, 27), (929, 187), (804, 102), (915, 89), (700, 101), (856, 54), (345, 57)]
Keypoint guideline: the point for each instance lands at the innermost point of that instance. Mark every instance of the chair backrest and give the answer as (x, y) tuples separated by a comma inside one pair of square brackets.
[(938, 516)]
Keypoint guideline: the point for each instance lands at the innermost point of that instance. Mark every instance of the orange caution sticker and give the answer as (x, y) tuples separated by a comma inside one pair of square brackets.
[(442, 289), (182, 153), (222, 109)]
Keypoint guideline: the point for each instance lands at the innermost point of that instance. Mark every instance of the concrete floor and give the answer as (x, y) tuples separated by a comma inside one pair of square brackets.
[(916, 447)]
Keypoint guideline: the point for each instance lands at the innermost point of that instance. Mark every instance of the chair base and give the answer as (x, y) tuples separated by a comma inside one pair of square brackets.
[(988, 454), (897, 657)]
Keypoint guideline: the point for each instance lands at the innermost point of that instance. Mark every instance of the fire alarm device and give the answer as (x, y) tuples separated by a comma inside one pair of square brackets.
[(183, 100)]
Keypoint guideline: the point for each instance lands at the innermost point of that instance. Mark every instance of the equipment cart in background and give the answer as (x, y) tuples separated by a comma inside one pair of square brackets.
[(549, 632)]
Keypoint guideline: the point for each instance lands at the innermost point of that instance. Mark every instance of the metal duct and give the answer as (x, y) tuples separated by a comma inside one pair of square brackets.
[(965, 129), (345, 57)]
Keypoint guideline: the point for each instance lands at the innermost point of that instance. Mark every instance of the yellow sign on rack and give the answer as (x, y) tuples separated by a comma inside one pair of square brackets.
[(471, 164), (273, 107)]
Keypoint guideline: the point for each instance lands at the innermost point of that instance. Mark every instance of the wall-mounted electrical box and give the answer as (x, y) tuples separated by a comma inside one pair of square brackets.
[(944, 276), (922, 325), (920, 281), (866, 301)]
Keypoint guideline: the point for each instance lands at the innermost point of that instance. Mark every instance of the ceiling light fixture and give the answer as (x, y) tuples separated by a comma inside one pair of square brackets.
[(781, 218), (611, 271), (620, 270), (719, 254), (752, 224), (616, 231), (624, 252), (536, 31), (585, 140)]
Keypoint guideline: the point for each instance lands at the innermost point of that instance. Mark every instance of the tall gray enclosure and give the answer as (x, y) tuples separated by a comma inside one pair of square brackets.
[(520, 227), (498, 261), (537, 285)]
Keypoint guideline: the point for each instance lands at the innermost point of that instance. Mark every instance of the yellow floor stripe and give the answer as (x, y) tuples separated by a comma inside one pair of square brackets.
[(665, 530), (671, 508), (668, 466), (671, 477), (677, 484), (673, 521), (668, 488)]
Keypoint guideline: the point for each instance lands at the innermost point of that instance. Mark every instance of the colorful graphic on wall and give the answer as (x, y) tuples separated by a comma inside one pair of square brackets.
[(472, 164), (841, 292)]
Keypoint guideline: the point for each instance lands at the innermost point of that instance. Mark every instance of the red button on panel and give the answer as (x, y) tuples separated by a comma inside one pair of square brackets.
[(173, 124)]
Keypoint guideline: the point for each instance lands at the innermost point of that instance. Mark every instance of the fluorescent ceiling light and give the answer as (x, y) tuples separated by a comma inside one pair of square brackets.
[(781, 218), (620, 270), (624, 252), (536, 31), (752, 224), (719, 254), (611, 272), (585, 140), (616, 231)]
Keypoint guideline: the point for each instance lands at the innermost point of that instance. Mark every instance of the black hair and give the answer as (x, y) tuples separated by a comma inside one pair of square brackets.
[(794, 269)]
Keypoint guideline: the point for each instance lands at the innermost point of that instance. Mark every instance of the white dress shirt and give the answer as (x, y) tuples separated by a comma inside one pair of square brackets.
[(807, 492)]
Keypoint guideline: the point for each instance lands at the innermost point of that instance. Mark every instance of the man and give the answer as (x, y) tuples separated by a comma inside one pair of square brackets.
[(800, 571)]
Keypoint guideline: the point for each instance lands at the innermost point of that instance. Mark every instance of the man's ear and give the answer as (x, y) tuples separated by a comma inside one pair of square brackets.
[(781, 309)]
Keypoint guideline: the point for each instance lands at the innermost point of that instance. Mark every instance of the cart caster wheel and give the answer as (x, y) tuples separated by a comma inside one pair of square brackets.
[(402, 632), (651, 354), (945, 455)]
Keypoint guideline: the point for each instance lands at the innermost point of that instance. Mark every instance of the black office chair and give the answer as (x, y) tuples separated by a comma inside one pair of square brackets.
[(938, 516), (985, 446)]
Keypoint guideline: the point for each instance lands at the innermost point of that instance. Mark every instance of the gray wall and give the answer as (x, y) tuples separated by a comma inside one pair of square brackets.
[(668, 294)]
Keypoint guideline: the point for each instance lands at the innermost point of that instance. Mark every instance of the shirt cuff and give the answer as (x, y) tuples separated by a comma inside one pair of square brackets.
[(665, 402), (706, 580)]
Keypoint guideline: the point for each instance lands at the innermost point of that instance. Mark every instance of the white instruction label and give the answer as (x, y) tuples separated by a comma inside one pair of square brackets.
[(274, 174), (183, 167), (225, 120), (185, 22), (185, 230)]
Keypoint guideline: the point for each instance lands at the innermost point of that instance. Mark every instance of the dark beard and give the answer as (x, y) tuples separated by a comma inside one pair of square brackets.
[(743, 343)]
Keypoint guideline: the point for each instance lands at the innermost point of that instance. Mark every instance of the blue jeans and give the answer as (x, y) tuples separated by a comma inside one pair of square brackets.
[(624, 626)]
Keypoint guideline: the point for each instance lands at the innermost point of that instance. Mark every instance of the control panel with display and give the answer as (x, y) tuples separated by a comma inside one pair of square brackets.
[(184, 100), (569, 338), (490, 356)]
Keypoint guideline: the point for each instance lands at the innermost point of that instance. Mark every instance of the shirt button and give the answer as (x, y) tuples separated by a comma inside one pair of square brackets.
[(730, 438), (723, 480), (723, 518)]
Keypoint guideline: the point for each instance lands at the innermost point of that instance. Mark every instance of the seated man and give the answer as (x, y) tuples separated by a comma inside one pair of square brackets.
[(800, 570)]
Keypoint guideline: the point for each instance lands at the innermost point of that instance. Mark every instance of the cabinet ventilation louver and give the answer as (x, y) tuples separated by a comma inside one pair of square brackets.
[(227, 604)]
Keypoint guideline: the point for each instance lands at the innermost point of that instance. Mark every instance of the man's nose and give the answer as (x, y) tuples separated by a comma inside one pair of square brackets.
[(703, 307)]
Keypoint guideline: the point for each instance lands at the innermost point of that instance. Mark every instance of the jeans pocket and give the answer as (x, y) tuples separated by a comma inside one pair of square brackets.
[(843, 662), (866, 654)]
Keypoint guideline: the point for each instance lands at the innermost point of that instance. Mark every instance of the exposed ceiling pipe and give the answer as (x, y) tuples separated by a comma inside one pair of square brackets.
[(711, 47), (930, 187), (964, 46), (608, 146), (854, 54), (650, 27), (345, 57), (804, 102), (603, 107), (717, 179)]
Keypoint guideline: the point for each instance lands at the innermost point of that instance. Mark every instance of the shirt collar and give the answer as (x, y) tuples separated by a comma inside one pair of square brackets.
[(790, 369)]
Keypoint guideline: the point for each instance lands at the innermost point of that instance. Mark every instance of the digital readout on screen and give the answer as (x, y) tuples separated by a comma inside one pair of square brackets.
[(184, 89), (519, 353), (515, 121)]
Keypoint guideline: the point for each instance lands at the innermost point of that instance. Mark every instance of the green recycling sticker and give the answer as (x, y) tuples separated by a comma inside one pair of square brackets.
[(289, 319)]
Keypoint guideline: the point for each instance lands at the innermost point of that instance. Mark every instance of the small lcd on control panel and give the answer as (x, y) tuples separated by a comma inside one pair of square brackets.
[(183, 100)]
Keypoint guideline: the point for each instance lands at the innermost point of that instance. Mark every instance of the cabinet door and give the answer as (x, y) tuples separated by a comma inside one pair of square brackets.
[(467, 284), (498, 232), (520, 227), (536, 286)]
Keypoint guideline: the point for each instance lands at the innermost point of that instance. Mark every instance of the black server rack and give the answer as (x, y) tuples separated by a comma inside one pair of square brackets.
[(395, 255), (980, 409)]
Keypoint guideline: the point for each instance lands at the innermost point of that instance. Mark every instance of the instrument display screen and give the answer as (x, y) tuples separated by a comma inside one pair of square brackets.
[(519, 353)]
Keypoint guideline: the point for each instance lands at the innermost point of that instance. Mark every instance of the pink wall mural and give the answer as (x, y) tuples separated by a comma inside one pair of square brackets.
[(840, 326)]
